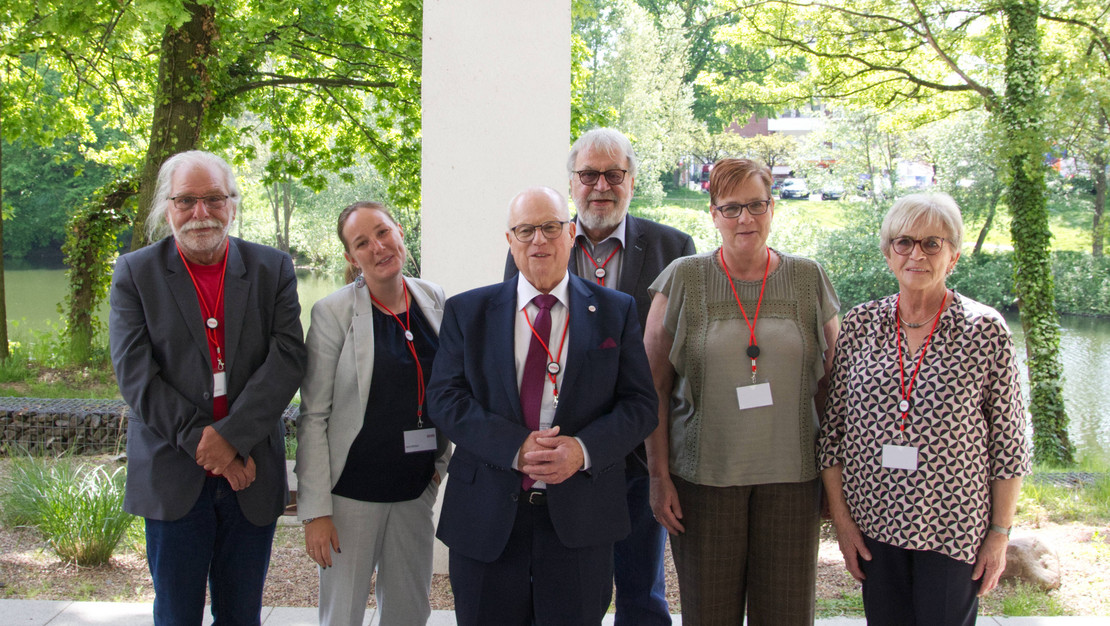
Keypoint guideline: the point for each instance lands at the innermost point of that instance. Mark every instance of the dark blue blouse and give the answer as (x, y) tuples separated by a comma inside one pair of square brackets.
[(378, 469)]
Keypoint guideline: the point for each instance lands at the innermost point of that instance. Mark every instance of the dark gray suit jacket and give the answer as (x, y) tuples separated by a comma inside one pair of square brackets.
[(160, 355), (650, 247)]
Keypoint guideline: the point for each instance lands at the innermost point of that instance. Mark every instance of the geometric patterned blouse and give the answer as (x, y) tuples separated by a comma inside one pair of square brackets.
[(967, 421)]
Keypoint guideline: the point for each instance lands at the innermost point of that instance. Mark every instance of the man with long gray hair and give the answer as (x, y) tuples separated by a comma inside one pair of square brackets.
[(206, 343)]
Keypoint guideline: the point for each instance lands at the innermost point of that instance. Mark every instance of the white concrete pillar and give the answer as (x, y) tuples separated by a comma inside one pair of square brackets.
[(496, 119)]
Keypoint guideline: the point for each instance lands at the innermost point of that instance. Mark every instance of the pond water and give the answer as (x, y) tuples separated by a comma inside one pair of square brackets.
[(34, 295)]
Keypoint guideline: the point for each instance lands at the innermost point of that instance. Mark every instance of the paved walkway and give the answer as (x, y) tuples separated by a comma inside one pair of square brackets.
[(65, 613)]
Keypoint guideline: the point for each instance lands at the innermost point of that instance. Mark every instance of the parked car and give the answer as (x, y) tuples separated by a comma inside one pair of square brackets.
[(794, 188), (832, 191)]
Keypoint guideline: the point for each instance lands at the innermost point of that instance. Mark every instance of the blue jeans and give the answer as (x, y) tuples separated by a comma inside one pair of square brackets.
[(215, 544), (638, 563)]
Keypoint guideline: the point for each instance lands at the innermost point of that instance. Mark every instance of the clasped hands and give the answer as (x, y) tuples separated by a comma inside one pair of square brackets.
[(216, 455), (545, 455)]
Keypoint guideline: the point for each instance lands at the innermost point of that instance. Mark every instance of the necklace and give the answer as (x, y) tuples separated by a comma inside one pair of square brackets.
[(925, 321)]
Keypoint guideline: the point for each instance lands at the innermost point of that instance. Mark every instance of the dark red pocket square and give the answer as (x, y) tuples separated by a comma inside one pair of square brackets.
[(608, 343)]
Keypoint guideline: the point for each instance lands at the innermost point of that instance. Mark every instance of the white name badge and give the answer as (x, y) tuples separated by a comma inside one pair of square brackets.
[(900, 457), (219, 384), (421, 440), (752, 396)]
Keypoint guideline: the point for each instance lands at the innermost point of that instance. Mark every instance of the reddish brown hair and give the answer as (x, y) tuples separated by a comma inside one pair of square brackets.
[(728, 174)]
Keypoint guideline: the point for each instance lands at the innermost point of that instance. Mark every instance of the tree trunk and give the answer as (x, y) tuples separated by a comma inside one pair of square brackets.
[(4, 354), (181, 101), (996, 195), (1098, 227), (281, 205), (90, 246), (273, 191), (1022, 112), (287, 206)]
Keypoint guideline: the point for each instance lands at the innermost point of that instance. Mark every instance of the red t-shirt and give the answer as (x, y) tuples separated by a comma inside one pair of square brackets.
[(209, 282)]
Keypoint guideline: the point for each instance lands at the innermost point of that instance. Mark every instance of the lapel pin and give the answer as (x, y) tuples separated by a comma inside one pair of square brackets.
[(591, 308)]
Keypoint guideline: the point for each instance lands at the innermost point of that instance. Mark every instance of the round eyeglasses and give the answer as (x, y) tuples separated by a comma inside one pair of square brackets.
[(526, 232), (590, 177), (733, 211), (929, 245)]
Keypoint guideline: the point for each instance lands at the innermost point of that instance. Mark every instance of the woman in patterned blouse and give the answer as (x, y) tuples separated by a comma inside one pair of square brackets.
[(923, 446)]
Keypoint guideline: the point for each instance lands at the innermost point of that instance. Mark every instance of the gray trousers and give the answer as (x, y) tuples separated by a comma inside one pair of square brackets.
[(396, 538)]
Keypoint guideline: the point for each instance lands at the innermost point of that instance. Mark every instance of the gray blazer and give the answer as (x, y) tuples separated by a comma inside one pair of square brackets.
[(337, 386), (160, 355)]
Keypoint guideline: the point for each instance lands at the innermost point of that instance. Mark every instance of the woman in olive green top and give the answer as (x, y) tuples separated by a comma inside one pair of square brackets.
[(740, 340)]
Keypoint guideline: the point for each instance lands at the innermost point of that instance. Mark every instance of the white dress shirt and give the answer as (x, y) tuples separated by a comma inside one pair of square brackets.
[(522, 339)]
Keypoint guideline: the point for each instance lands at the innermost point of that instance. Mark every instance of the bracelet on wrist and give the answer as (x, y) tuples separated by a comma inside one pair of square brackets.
[(1002, 530)]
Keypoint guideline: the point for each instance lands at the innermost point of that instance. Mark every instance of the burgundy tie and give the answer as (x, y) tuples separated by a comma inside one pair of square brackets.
[(535, 368)]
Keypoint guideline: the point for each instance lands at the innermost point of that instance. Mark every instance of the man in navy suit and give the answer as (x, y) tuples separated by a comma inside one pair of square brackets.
[(615, 249), (535, 499), (205, 440)]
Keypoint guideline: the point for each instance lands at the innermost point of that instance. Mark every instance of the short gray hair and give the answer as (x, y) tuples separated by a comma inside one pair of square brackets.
[(156, 226), (607, 140), (923, 208)]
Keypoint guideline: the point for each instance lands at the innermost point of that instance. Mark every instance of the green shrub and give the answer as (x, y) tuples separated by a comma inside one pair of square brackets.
[(1082, 283), (77, 507), (855, 266), (987, 278), (694, 221), (844, 238)]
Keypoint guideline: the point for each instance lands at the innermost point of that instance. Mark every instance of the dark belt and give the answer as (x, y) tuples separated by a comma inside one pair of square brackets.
[(535, 497)]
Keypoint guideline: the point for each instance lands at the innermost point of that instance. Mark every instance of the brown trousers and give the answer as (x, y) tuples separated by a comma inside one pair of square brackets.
[(754, 545)]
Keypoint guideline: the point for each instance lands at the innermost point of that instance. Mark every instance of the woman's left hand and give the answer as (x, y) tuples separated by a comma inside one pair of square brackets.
[(320, 539), (990, 562)]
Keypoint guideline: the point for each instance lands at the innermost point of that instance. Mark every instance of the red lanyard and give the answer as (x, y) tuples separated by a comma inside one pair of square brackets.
[(553, 367), (599, 270), (905, 405), (753, 346), (407, 327), (210, 321)]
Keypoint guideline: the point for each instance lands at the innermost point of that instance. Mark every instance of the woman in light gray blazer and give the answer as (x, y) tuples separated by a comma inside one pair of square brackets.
[(369, 461)]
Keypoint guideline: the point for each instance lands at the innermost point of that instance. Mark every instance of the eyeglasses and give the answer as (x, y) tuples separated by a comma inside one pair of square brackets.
[(929, 245), (526, 232), (733, 211), (186, 203), (590, 177)]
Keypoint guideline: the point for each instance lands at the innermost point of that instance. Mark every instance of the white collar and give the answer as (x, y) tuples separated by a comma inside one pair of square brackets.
[(525, 292)]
